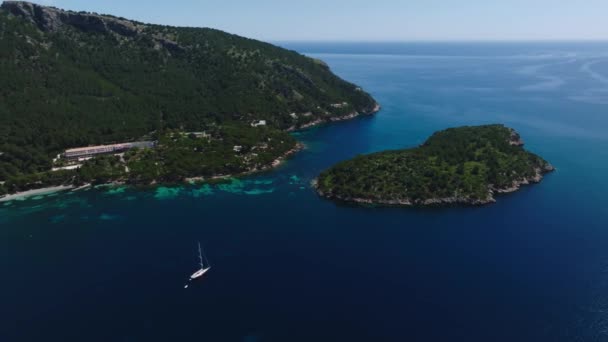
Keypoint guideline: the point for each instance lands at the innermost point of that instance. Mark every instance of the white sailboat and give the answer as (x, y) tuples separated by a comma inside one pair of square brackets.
[(203, 269)]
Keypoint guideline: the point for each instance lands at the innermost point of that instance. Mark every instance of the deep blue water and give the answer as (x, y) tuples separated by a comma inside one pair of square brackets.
[(110, 264)]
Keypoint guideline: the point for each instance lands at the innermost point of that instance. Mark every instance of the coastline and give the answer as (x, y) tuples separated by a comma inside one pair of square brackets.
[(376, 109), (299, 146), (23, 195), (35, 192)]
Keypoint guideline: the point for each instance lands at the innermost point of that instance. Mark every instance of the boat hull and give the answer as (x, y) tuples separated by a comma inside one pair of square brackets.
[(199, 273)]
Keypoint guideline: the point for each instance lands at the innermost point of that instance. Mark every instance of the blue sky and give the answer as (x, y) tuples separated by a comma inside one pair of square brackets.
[(371, 20)]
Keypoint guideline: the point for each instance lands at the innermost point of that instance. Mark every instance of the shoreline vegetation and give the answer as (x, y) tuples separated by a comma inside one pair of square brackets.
[(457, 166), (277, 162)]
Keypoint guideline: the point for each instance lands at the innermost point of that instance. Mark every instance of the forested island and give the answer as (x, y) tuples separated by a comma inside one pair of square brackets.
[(75, 79), (466, 165)]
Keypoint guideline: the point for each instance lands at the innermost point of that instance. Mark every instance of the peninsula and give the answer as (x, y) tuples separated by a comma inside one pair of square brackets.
[(465, 165), (205, 103)]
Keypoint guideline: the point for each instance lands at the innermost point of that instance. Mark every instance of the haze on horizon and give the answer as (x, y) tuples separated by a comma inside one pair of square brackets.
[(359, 20)]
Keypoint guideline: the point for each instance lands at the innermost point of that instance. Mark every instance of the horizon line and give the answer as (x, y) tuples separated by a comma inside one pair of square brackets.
[(409, 41)]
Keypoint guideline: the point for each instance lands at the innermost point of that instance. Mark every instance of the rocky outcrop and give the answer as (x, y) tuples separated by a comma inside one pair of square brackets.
[(408, 202), (516, 185), (50, 19), (515, 139), (367, 111)]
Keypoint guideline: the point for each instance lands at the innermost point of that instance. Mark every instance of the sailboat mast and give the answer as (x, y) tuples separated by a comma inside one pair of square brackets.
[(206, 260), (200, 255)]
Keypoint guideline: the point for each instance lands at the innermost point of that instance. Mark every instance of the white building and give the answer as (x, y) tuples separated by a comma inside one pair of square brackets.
[(259, 123), (82, 153)]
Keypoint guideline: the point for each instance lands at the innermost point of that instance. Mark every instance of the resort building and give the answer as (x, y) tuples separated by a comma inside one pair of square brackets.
[(83, 153)]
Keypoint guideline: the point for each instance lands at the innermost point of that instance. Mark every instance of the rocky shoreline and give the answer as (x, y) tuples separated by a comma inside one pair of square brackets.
[(444, 201), (376, 109), (276, 163)]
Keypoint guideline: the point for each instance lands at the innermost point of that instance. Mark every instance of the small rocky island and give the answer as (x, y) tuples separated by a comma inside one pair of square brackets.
[(465, 165)]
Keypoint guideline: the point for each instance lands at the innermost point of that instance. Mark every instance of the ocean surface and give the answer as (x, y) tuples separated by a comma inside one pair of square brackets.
[(110, 264)]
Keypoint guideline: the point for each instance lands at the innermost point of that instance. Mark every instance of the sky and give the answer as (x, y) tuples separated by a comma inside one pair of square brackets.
[(370, 20)]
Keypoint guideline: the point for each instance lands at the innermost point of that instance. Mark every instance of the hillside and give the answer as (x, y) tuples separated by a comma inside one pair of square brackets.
[(71, 79), (465, 165)]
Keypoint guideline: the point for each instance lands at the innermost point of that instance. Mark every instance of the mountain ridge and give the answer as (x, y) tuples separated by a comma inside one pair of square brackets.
[(49, 18)]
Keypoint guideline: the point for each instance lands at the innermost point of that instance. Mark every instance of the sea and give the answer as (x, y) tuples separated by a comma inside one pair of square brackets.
[(110, 264)]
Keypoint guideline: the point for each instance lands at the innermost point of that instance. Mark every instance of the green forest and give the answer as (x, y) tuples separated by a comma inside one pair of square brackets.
[(464, 163), (72, 79), (176, 157)]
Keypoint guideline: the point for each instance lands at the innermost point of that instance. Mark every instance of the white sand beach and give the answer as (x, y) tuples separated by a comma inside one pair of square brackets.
[(36, 192)]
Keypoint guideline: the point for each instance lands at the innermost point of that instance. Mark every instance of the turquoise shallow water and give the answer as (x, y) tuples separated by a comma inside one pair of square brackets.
[(110, 264)]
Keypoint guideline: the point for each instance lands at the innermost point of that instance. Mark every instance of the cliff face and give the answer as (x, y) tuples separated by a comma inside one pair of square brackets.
[(51, 19), (515, 139)]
